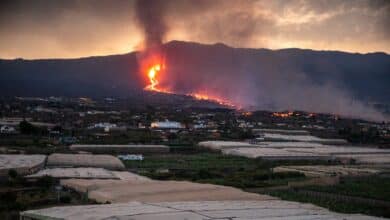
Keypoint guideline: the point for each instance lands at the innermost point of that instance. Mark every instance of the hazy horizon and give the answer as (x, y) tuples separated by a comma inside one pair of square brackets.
[(71, 29), (209, 44)]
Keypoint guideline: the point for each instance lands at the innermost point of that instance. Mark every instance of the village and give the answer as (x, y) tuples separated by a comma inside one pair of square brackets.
[(82, 151)]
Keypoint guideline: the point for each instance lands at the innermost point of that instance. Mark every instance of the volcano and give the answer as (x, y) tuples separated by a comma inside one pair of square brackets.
[(296, 79)]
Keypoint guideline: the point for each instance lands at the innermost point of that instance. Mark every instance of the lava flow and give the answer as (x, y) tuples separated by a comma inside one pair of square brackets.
[(283, 114), (201, 96), (152, 75), (153, 69)]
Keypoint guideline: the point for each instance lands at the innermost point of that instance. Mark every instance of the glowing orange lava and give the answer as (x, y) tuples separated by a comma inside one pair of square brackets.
[(153, 66), (201, 96), (247, 113), (283, 114), (152, 75)]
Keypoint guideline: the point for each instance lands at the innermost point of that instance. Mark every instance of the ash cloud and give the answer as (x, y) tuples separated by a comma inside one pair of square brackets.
[(75, 28), (298, 92), (151, 19), (239, 77), (276, 80), (43, 26)]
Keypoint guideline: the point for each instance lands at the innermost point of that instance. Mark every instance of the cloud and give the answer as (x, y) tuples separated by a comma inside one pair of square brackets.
[(39, 29), (74, 28)]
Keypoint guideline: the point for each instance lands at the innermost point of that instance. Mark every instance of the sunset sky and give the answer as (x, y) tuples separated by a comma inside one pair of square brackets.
[(76, 28)]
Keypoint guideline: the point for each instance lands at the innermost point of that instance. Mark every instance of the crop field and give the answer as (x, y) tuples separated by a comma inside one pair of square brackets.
[(215, 168), (368, 195)]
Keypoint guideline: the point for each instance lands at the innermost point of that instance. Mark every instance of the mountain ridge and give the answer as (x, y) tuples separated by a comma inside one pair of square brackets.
[(202, 44), (301, 79)]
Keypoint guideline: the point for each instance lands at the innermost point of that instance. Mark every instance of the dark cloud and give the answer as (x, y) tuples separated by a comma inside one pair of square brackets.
[(72, 28), (151, 18), (284, 80), (46, 28)]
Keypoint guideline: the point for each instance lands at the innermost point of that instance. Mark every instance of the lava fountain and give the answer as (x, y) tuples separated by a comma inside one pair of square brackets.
[(152, 65), (152, 75), (151, 16)]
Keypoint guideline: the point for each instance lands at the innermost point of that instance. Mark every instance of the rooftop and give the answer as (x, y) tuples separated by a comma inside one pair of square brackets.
[(75, 146), (11, 161), (270, 209), (79, 173), (84, 160), (138, 188)]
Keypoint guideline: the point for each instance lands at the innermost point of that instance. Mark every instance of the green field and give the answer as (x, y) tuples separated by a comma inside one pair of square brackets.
[(361, 195), (17, 194), (212, 168), (373, 187), (255, 174)]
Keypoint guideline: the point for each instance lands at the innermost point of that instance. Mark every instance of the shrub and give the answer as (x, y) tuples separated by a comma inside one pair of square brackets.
[(65, 199), (12, 173), (46, 181)]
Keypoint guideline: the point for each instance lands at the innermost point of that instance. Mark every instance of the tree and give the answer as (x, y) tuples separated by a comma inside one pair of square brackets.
[(46, 181), (27, 128), (65, 199), (12, 173), (57, 128)]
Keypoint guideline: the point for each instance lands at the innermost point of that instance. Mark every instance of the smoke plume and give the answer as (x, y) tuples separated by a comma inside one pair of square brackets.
[(261, 80), (319, 82), (150, 17)]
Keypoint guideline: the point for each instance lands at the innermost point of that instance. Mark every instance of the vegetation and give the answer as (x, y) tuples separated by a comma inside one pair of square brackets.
[(131, 136), (359, 135), (374, 187), (18, 194), (12, 174), (251, 174), (212, 168), (27, 128), (27, 141), (352, 195)]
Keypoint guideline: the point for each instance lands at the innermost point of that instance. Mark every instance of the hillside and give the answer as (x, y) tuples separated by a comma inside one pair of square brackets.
[(271, 79)]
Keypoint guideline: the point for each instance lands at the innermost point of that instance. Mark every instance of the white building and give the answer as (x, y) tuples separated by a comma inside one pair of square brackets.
[(199, 126), (166, 125), (104, 125), (44, 110), (7, 129), (131, 157)]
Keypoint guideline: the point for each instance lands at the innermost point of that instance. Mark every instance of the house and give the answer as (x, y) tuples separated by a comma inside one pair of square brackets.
[(166, 125), (7, 129)]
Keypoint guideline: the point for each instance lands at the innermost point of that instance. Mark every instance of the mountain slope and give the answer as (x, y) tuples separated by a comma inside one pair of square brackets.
[(277, 79)]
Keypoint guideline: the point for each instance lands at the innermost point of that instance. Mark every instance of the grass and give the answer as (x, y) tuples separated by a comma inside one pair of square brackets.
[(333, 204), (17, 195), (373, 187), (212, 168), (245, 173)]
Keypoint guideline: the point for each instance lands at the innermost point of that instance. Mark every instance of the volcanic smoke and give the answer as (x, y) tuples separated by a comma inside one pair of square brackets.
[(150, 61), (244, 82), (150, 16)]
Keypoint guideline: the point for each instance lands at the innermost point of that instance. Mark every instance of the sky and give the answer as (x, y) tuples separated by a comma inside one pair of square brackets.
[(34, 29)]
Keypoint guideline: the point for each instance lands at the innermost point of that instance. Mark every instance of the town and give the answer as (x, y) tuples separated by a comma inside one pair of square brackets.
[(60, 151)]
